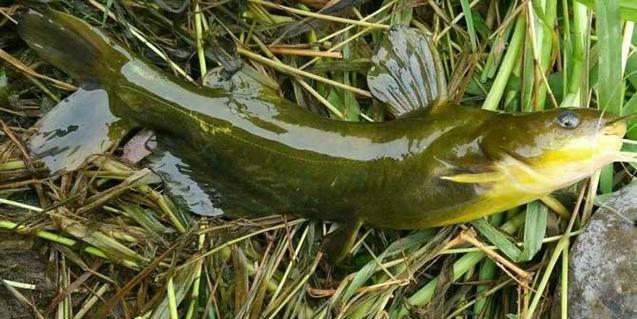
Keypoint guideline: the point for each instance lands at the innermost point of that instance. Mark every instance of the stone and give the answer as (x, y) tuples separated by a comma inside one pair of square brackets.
[(603, 262)]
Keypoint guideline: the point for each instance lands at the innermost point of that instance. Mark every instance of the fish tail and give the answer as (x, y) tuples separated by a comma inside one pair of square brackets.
[(72, 45), (70, 134)]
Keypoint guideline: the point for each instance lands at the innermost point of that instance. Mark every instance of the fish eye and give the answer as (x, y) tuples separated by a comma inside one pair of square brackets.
[(568, 120)]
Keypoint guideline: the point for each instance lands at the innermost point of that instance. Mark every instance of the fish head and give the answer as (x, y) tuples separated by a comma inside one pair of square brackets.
[(544, 151)]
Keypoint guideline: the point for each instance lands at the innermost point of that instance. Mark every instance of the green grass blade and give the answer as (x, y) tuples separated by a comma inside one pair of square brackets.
[(468, 16), (534, 229), (627, 8), (508, 63), (497, 238), (610, 84)]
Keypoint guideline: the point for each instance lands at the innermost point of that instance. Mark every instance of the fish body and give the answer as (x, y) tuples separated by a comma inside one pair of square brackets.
[(260, 154)]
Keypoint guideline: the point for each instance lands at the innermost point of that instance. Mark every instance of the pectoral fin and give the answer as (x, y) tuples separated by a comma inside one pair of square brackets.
[(475, 178), (337, 244), (78, 127)]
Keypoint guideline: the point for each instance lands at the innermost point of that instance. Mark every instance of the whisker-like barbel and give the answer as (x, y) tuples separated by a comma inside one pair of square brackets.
[(627, 157), (627, 141)]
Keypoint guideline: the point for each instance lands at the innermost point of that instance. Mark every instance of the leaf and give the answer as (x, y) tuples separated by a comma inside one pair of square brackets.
[(407, 73), (534, 229), (111, 246), (345, 101), (497, 238), (468, 16), (4, 86), (610, 82), (631, 108), (627, 8), (402, 13), (242, 282), (182, 282), (631, 69), (610, 86), (402, 245)]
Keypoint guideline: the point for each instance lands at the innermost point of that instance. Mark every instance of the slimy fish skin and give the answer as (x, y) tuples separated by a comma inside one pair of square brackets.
[(255, 153)]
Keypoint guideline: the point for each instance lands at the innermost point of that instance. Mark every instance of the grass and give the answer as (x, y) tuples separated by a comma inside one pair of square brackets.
[(122, 249)]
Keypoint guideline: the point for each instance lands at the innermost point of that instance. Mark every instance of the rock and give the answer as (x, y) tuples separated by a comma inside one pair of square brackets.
[(603, 262)]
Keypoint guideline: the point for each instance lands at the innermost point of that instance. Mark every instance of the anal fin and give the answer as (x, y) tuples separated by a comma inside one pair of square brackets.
[(187, 181), (195, 183)]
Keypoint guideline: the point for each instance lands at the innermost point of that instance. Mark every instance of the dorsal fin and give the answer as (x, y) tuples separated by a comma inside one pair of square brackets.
[(435, 107), (407, 73)]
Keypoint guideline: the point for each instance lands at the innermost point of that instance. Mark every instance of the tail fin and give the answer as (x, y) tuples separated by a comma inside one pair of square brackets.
[(73, 46), (83, 124)]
